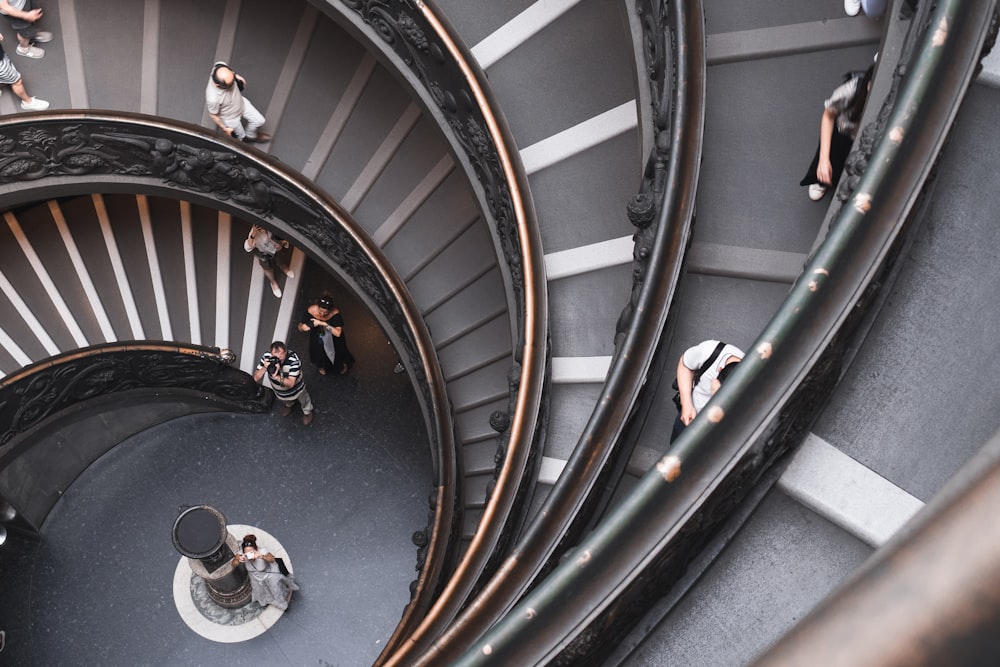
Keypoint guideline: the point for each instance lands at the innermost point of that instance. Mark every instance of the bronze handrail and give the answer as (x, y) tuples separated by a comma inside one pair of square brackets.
[(416, 41), (582, 608), (663, 213)]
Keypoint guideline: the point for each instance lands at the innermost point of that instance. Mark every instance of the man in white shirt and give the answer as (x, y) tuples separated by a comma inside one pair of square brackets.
[(228, 108), (713, 369)]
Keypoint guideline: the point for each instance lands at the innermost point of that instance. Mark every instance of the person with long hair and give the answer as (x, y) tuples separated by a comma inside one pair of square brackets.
[(837, 130), (268, 586)]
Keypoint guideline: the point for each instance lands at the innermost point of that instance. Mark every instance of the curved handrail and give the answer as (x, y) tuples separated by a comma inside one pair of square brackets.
[(59, 153), (662, 212), (419, 44), (36, 394), (767, 405)]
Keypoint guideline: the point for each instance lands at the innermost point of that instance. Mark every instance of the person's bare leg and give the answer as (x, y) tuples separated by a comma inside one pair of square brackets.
[(275, 289), (19, 90), (23, 41)]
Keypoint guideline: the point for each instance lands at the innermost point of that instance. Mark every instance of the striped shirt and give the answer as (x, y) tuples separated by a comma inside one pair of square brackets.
[(839, 103), (291, 368), (8, 73)]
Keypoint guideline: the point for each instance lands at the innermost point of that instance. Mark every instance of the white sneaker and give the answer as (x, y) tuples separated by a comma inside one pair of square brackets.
[(35, 105), (42, 37), (276, 290), (31, 52), (289, 273), (816, 191), (852, 7)]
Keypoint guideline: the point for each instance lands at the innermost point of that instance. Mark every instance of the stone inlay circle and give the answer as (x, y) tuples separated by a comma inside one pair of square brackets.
[(217, 614), (213, 621)]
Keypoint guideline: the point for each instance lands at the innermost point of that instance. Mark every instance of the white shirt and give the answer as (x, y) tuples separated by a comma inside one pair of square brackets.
[(263, 242), (695, 357), (227, 103)]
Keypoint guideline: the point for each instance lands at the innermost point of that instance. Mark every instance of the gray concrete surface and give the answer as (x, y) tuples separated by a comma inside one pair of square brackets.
[(921, 397), (343, 496)]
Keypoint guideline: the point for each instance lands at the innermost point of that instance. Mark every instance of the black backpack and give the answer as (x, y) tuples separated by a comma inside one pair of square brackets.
[(698, 374)]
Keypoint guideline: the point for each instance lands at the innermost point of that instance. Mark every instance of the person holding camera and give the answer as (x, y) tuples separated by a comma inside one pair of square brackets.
[(268, 585), (284, 371)]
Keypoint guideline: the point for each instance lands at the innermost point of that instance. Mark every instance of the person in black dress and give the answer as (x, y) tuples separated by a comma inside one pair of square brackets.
[(838, 129), (327, 340)]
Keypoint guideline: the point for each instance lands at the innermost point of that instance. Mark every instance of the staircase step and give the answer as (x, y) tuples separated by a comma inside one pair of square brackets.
[(106, 56), (317, 89), (184, 67), (377, 110)]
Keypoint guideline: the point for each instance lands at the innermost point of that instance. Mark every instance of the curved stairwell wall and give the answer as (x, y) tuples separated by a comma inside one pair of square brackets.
[(101, 395)]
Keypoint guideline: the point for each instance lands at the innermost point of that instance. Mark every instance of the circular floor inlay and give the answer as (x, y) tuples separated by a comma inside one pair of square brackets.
[(217, 623), (220, 615)]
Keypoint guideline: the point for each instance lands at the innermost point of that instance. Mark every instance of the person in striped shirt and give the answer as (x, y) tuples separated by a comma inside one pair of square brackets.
[(10, 76), (284, 371)]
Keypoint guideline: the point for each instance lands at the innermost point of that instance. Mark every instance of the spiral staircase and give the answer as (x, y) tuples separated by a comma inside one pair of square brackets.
[(83, 268)]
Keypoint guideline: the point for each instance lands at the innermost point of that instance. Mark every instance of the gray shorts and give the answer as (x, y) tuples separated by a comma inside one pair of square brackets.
[(23, 28), (266, 261)]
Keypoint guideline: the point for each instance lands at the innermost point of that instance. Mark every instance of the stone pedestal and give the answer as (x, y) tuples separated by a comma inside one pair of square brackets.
[(200, 534)]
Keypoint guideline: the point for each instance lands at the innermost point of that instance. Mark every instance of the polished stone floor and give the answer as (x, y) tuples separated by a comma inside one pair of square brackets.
[(343, 496)]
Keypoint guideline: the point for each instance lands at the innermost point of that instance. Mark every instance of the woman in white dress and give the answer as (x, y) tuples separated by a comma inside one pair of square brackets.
[(267, 584)]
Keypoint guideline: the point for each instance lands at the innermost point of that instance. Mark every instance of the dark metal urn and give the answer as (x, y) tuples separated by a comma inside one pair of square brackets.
[(200, 534)]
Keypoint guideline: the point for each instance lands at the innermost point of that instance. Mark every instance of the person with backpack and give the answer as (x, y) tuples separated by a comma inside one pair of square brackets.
[(700, 372)]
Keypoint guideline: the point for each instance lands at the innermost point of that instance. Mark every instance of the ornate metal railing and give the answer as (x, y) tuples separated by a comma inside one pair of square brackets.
[(417, 42), (145, 371), (56, 154), (662, 212), (585, 606)]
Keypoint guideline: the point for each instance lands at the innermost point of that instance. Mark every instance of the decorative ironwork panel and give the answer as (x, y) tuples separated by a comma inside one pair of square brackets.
[(34, 395)]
